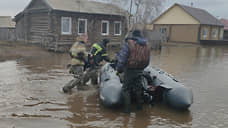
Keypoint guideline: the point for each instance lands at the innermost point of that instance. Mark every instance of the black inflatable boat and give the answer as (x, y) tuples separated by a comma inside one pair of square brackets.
[(157, 84)]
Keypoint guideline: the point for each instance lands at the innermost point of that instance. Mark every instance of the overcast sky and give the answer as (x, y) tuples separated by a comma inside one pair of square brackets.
[(218, 8)]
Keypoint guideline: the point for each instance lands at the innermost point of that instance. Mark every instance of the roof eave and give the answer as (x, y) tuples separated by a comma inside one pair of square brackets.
[(219, 25), (67, 11), (9, 27)]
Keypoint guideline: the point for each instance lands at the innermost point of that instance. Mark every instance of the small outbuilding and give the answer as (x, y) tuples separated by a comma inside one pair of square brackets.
[(225, 22), (7, 28), (182, 23), (55, 24)]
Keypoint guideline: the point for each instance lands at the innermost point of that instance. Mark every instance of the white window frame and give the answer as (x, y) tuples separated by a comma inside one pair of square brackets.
[(214, 32), (205, 30), (163, 30), (70, 26), (85, 26), (120, 32), (105, 21)]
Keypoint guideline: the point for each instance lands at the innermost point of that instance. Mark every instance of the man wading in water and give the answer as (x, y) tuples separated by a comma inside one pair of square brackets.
[(132, 59), (78, 59)]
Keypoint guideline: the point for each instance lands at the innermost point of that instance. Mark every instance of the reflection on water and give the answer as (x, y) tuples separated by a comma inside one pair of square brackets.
[(31, 80), (92, 114)]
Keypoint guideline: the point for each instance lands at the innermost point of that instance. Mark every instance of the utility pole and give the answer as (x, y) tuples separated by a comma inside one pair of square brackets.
[(192, 4)]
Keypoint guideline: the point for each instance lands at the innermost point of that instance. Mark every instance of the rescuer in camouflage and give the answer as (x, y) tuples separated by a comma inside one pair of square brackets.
[(78, 58)]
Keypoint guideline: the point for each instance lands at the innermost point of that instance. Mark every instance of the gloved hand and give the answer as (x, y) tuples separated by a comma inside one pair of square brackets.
[(117, 73), (113, 61), (71, 71), (81, 55), (68, 66), (113, 65)]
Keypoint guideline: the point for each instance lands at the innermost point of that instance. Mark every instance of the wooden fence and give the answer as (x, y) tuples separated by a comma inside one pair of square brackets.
[(7, 34)]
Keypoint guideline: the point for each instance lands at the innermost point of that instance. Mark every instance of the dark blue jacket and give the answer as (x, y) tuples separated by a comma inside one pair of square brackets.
[(124, 53), (99, 53)]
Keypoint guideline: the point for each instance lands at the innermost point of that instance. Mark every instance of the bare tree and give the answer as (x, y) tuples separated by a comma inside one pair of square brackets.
[(120, 3), (147, 10), (143, 11)]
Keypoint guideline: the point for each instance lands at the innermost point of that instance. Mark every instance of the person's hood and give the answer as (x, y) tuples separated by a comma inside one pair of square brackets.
[(140, 40), (104, 44)]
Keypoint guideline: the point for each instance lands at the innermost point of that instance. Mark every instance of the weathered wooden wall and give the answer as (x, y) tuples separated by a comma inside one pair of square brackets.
[(7, 34), (40, 24), (178, 33), (20, 33), (93, 28), (45, 28), (38, 27)]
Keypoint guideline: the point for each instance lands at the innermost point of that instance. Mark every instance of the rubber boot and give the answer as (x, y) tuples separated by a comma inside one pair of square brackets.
[(139, 100), (67, 88), (94, 81), (127, 101)]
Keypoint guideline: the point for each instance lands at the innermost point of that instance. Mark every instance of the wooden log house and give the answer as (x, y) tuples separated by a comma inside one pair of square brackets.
[(55, 24)]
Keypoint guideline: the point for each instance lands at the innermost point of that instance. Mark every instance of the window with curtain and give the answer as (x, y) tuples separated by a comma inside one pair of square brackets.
[(66, 25)]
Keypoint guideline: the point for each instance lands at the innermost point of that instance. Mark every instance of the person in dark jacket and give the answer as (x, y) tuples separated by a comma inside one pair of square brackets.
[(98, 53), (132, 59)]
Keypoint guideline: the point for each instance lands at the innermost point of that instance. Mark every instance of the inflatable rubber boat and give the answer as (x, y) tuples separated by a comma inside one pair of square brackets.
[(158, 86)]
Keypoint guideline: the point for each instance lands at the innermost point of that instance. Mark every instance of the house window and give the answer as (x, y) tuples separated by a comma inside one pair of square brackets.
[(104, 27), (117, 28), (66, 25), (214, 33), (163, 30), (205, 32), (82, 26)]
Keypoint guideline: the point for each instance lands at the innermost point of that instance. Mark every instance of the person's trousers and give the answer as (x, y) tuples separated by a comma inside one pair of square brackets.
[(132, 85)]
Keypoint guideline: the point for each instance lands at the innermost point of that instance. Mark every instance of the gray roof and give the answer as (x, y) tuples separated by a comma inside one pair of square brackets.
[(6, 22), (201, 15), (85, 6)]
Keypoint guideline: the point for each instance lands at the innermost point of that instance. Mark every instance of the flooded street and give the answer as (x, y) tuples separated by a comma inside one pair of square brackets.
[(31, 80)]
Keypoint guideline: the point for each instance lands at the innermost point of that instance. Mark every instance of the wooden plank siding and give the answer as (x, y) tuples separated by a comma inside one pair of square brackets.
[(188, 24), (93, 27), (44, 27), (180, 32), (38, 27), (210, 29), (20, 31), (184, 33)]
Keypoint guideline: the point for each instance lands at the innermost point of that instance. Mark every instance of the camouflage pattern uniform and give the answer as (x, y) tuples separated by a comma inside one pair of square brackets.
[(78, 54)]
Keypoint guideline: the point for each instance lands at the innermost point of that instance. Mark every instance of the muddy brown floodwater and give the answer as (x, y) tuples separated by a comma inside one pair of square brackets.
[(31, 80)]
